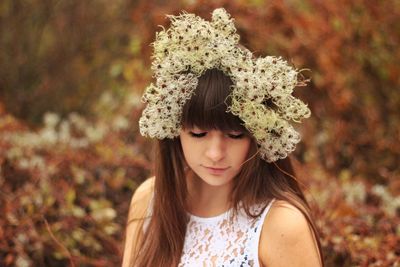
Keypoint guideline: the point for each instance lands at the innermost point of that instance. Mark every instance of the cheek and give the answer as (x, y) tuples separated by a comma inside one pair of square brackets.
[(244, 151), (184, 146), (245, 155), (187, 148)]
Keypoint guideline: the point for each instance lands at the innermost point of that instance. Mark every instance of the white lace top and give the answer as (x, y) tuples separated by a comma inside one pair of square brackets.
[(223, 240)]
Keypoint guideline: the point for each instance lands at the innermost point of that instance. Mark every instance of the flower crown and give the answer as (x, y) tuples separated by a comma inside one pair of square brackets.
[(262, 91)]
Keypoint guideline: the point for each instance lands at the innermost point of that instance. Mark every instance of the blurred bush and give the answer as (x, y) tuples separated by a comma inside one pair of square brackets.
[(65, 189), (61, 55)]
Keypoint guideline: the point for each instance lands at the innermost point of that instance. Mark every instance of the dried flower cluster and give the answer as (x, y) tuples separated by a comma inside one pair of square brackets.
[(261, 94)]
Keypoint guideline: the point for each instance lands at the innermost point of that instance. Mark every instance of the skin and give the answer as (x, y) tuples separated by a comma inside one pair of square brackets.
[(138, 208), (214, 158), (286, 238)]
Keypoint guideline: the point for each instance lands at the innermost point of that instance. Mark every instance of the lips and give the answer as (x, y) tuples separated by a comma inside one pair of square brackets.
[(215, 171)]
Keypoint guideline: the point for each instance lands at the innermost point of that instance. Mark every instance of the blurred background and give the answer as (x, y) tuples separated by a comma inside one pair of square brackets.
[(71, 76)]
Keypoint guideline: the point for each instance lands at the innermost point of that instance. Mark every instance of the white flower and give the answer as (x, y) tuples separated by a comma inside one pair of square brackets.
[(51, 119), (262, 90)]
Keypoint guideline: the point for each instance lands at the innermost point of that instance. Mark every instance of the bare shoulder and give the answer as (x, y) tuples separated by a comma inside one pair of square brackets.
[(137, 212), (285, 216), (287, 239), (141, 198), (144, 190)]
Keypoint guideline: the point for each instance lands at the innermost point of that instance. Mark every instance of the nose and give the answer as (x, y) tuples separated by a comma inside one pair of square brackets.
[(215, 150)]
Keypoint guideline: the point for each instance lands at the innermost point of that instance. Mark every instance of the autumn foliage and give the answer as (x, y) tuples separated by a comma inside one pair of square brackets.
[(66, 181)]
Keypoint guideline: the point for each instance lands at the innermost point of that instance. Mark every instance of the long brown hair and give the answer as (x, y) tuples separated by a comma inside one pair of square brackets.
[(258, 181)]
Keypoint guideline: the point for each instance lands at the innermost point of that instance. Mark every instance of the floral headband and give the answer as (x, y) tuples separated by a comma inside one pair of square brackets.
[(262, 91)]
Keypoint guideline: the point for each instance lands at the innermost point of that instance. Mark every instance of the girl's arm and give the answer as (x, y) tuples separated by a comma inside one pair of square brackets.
[(287, 239), (137, 211)]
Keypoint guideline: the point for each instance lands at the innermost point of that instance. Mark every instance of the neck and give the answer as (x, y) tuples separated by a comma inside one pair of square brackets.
[(205, 200)]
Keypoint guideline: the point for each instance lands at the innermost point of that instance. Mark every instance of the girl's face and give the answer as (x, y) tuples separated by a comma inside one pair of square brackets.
[(215, 156)]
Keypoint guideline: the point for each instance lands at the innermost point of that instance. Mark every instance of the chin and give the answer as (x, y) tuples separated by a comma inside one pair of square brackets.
[(216, 180)]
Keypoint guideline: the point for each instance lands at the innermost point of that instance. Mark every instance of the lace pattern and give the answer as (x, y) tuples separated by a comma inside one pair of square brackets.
[(224, 240)]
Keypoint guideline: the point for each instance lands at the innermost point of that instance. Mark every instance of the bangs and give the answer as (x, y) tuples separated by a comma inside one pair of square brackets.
[(207, 107)]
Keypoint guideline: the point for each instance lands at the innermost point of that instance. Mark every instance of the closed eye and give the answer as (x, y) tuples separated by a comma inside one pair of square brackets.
[(198, 135), (236, 136)]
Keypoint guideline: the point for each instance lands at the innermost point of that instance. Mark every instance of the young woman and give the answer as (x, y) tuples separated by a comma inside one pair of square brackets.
[(224, 192)]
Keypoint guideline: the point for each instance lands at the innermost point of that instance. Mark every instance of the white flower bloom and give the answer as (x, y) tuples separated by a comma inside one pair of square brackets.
[(262, 91), (49, 135), (64, 134), (390, 203), (51, 119), (95, 133), (120, 123)]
